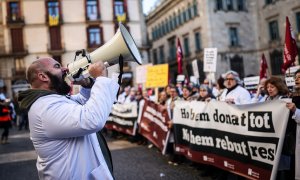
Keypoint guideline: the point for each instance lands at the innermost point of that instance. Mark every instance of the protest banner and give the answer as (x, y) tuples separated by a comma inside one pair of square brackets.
[(154, 124), (246, 140), (123, 118)]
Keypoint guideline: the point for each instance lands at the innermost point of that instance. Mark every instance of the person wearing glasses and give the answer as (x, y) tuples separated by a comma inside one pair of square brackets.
[(234, 93)]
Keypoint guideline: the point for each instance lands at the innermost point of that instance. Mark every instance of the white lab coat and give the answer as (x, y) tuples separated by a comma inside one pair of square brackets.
[(239, 94), (63, 132)]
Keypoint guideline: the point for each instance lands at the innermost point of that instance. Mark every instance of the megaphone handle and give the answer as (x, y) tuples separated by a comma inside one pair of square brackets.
[(121, 73), (106, 64)]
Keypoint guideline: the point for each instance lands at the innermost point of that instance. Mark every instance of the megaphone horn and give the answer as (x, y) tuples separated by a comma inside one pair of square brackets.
[(121, 44)]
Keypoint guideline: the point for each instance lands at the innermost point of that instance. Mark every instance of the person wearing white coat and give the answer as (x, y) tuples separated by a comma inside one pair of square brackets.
[(234, 93), (63, 130)]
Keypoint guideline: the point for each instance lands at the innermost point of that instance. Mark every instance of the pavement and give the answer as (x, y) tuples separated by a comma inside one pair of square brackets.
[(131, 161)]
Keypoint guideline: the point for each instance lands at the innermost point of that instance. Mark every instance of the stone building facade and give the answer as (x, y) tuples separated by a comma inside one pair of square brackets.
[(58, 28), (240, 30)]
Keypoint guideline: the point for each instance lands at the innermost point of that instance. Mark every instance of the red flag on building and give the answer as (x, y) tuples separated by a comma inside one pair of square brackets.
[(290, 47), (179, 56), (263, 67)]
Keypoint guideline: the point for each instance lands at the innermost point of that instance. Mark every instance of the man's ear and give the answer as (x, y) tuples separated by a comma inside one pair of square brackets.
[(43, 77)]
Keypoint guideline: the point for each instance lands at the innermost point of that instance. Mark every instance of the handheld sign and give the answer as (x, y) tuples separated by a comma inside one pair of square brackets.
[(289, 76), (157, 76), (210, 59), (251, 83)]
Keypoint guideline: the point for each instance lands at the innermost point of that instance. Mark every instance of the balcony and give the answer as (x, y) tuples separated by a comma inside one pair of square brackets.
[(19, 73), (15, 21), (93, 20), (56, 50), (15, 53)]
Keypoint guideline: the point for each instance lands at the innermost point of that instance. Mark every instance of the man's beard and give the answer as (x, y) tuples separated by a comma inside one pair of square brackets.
[(58, 84)]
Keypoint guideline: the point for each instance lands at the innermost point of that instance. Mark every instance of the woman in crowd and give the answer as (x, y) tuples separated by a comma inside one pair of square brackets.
[(162, 98), (186, 93), (205, 93), (219, 88), (276, 89)]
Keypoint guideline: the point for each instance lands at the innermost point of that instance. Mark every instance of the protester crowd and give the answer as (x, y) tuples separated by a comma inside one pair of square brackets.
[(228, 88)]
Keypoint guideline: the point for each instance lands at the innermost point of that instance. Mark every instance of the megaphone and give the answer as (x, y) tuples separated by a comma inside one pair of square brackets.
[(122, 44)]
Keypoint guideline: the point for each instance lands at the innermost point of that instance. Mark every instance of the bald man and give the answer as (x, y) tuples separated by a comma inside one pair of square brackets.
[(63, 128)]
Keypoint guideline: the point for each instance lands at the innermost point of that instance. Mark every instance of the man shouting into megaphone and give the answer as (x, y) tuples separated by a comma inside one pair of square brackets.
[(63, 128)]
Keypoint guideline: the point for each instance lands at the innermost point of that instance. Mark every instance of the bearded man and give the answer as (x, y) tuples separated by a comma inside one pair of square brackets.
[(63, 128)]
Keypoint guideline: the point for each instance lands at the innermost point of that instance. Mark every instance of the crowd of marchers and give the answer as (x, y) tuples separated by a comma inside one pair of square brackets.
[(228, 88)]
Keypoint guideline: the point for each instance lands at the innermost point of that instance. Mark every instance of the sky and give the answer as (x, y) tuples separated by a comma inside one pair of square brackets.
[(147, 4)]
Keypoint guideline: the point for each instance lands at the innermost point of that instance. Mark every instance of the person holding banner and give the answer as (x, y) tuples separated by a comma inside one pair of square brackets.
[(294, 106), (260, 95), (277, 89), (63, 128), (234, 93)]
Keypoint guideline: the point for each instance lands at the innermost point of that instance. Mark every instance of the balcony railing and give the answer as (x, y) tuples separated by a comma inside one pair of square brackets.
[(93, 19), (15, 21), (56, 50)]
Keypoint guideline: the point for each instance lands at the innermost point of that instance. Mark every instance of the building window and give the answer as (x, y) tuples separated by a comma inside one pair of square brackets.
[(94, 37), (298, 21), (154, 56), (241, 5), (274, 31), (174, 20), (186, 46), (17, 40), (179, 18), (53, 8), (161, 55), (119, 7), (219, 4), (13, 11), (170, 23), (237, 64), (55, 38), (92, 9), (172, 49), (166, 26), (195, 8), (153, 34), (229, 4), (268, 2), (276, 62), (198, 41), (184, 16), (163, 28), (189, 11), (233, 35)]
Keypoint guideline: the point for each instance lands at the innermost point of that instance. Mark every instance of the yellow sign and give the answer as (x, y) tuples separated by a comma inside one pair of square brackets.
[(53, 20), (157, 76)]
